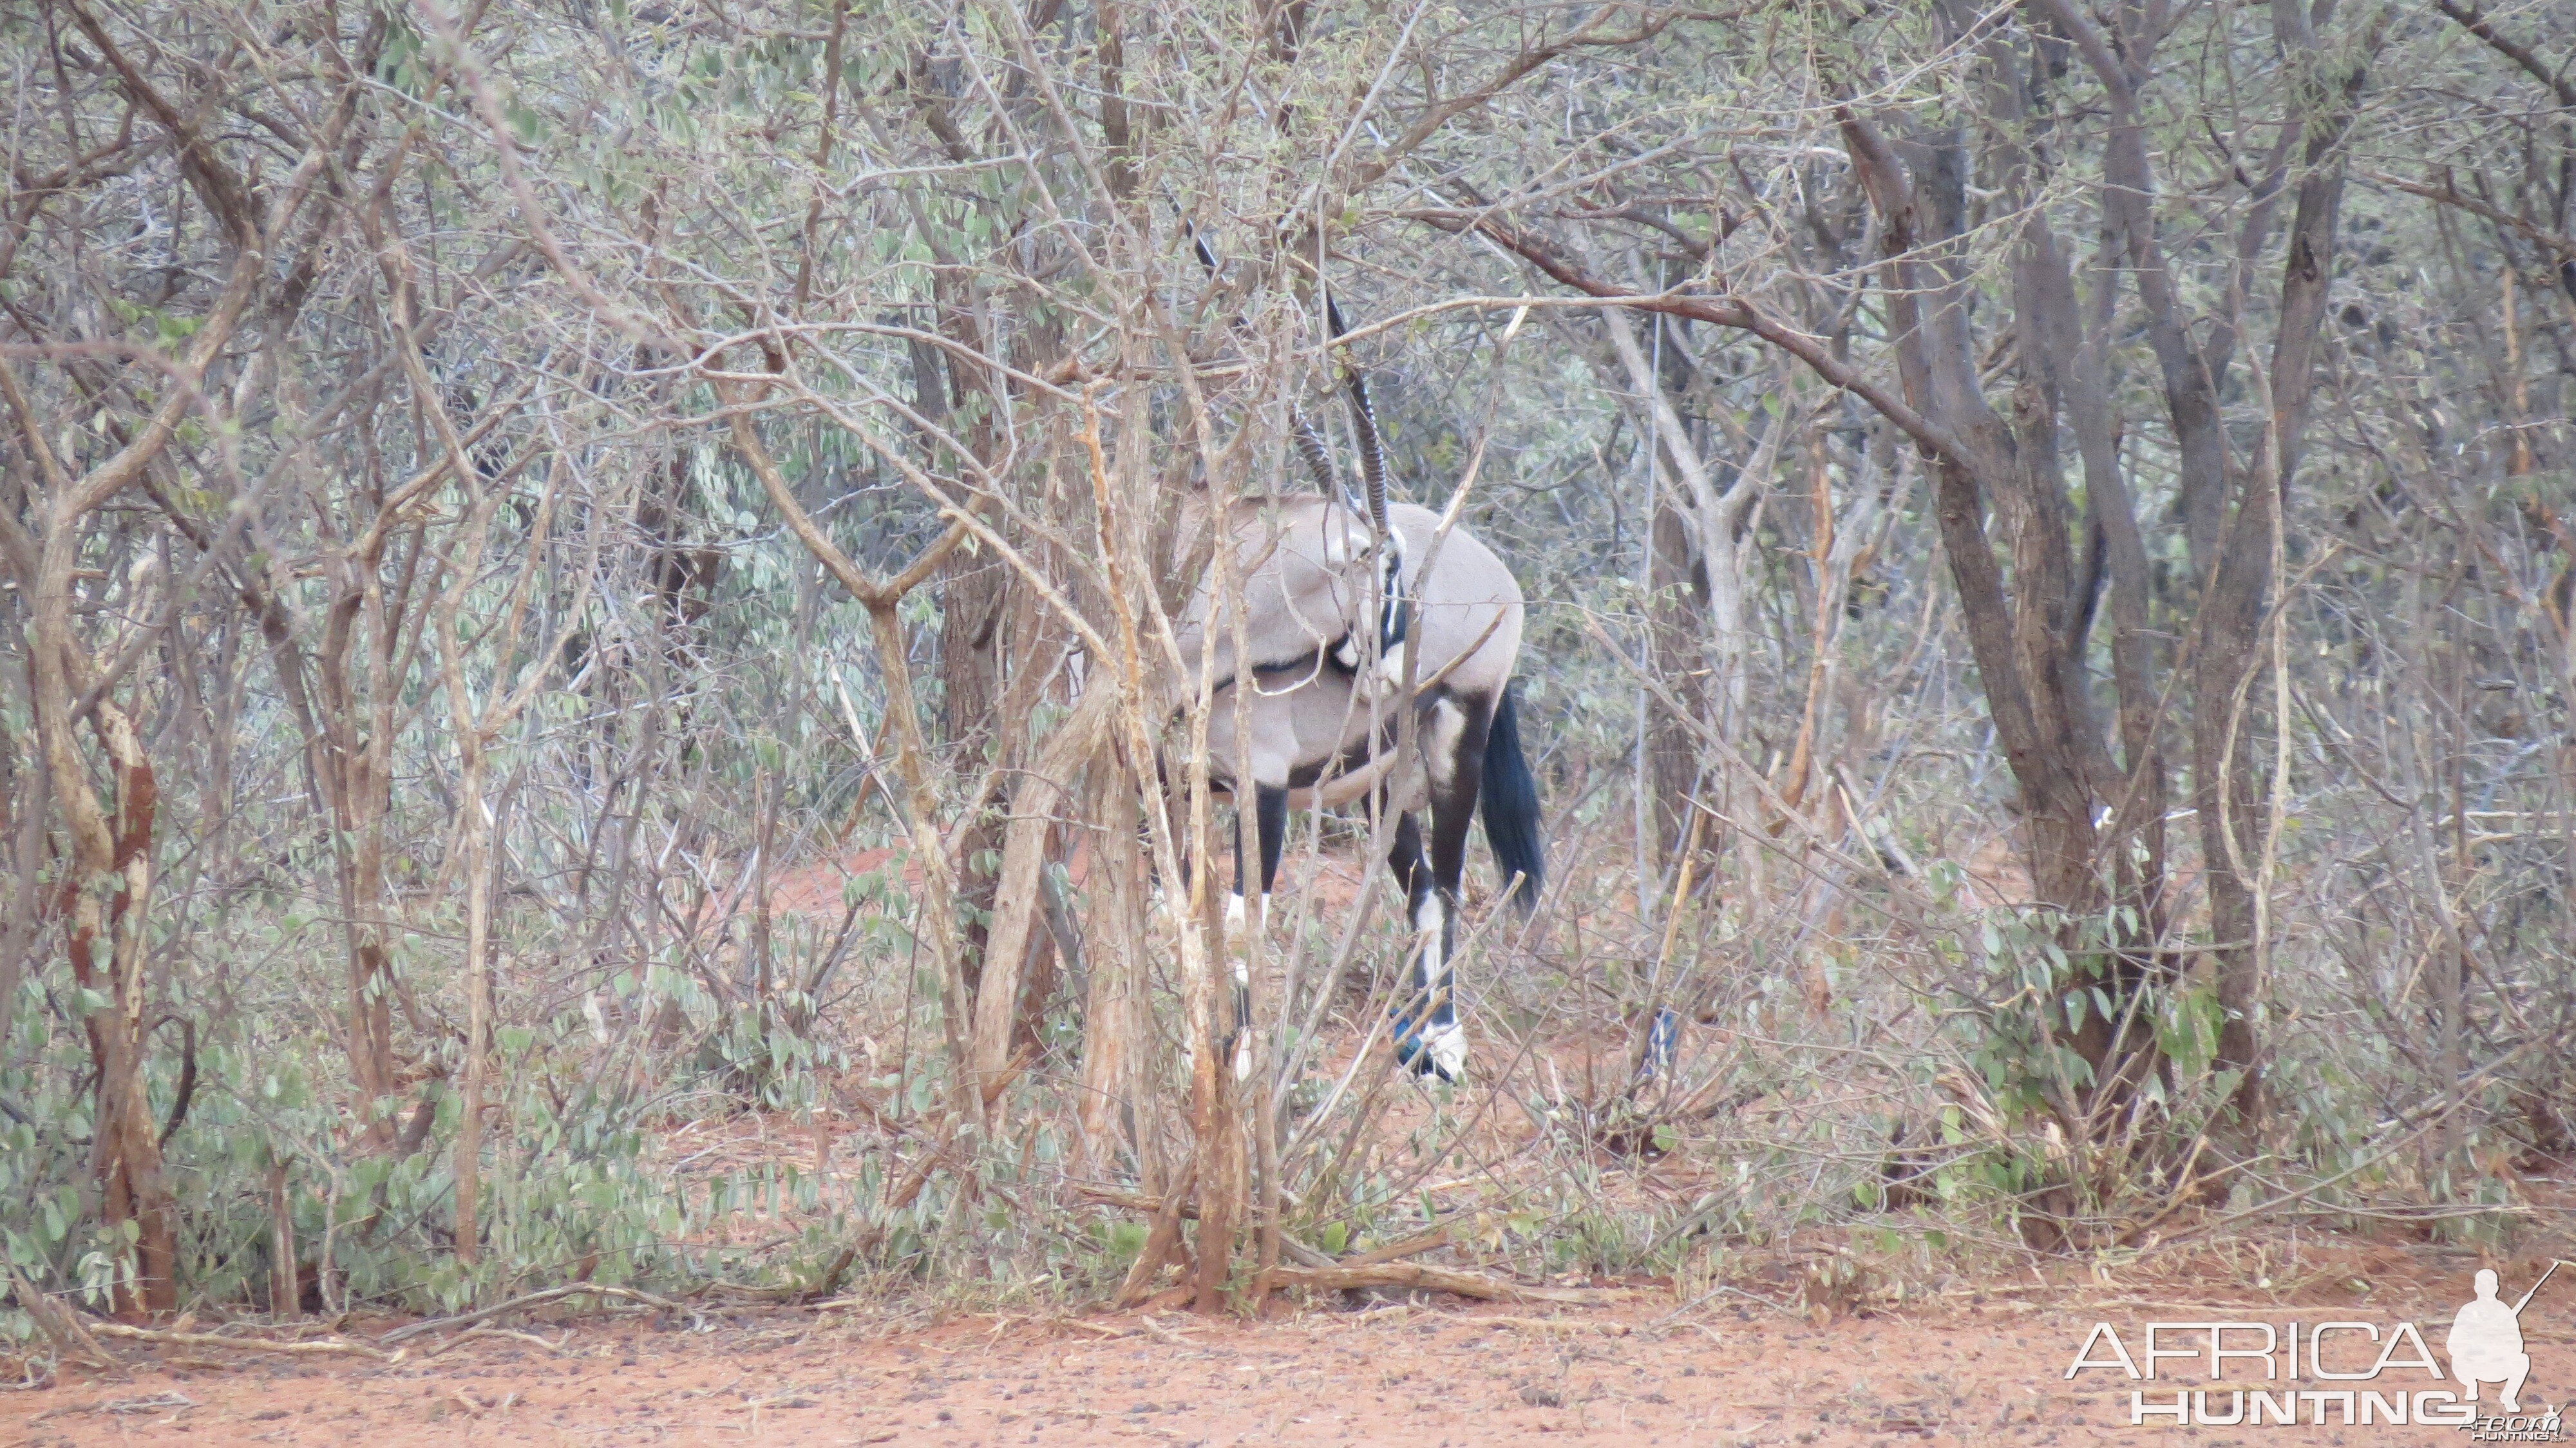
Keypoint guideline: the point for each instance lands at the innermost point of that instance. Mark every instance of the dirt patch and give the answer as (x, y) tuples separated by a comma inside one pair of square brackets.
[(1987, 1371)]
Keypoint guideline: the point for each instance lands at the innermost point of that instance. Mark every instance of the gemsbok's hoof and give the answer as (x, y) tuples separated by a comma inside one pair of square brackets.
[(1434, 1053)]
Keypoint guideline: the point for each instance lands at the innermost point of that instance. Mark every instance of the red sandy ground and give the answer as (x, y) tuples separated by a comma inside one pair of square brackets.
[(1420, 1375)]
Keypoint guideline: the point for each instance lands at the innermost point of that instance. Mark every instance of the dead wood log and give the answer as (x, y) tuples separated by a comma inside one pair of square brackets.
[(1434, 1279), (243, 1344)]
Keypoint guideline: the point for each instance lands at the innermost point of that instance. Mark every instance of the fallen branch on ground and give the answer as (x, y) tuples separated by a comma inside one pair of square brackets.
[(245, 1344), (483, 1330), (1433, 1279), (59, 1323), (1431, 1241), (1162, 1240), (550, 1294), (1552, 1324), (157, 1403)]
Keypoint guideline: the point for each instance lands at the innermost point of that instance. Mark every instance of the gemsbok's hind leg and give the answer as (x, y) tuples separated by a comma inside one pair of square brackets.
[(1428, 1036), (1454, 749)]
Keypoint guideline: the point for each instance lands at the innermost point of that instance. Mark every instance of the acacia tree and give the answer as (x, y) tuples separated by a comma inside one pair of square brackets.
[(159, 375), (2012, 359), (2027, 638)]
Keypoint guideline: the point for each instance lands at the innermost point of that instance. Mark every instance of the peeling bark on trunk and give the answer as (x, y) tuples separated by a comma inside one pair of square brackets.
[(1039, 793), (126, 1151), (104, 899)]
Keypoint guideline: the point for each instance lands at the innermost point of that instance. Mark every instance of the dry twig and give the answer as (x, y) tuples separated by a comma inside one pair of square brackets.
[(532, 1299), (1435, 1279)]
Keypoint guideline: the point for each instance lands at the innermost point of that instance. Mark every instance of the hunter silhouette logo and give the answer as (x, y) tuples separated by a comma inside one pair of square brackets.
[(2355, 1374), (2486, 1340)]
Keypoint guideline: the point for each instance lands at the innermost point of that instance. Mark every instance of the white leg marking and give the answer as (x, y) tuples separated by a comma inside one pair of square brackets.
[(1443, 1046), (1239, 961), (1427, 914), (1448, 726), (1447, 1048), (1431, 961), (1241, 922)]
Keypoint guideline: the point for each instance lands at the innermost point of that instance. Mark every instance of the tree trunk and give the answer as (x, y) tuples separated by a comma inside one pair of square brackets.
[(2237, 595), (474, 848), (106, 896), (1035, 798), (1118, 1019), (1674, 612)]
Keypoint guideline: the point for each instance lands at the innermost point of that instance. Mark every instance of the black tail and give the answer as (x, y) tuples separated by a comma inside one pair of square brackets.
[(1510, 798)]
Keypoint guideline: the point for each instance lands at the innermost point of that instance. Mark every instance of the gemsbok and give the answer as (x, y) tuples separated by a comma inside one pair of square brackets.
[(1348, 607)]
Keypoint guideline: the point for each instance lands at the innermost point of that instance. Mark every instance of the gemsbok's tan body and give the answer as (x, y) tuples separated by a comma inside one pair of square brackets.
[(1322, 667)]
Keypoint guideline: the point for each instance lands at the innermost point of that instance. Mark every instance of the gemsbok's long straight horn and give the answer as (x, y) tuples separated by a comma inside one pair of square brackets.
[(1364, 423), (1310, 443)]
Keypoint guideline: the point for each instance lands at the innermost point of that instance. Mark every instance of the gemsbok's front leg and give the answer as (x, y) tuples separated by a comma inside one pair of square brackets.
[(1427, 1035), (1270, 825), (1430, 1037)]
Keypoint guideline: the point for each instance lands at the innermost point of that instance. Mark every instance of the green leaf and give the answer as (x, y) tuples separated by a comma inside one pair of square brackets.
[(1126, 1240)]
